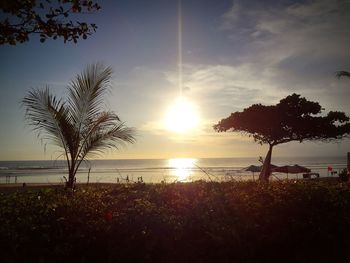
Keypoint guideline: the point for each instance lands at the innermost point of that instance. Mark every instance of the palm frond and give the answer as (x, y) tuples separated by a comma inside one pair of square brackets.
[(340, 74), (103, 121), (47, 115), (104, 138), (85, 98)]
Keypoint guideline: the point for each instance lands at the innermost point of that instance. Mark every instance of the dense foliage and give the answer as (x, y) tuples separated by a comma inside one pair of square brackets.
[(194, 222), (46, 18), (292, 119)]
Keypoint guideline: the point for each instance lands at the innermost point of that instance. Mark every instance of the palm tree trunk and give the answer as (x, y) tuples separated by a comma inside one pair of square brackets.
[(266, 169), (71, 176)]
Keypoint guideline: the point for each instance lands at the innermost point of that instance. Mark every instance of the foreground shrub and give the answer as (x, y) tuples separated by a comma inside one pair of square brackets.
[(343, 175), (198, 222)]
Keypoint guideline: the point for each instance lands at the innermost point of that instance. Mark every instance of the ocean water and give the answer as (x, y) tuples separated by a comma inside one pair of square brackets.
[(158, 170)]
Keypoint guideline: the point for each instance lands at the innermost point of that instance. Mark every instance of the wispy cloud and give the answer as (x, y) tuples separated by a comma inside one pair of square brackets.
[(216, 91), (219, 89), (282, 48), (298, 46)]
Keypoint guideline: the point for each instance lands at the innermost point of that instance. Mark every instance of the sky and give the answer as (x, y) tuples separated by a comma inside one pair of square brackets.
[(234, 54)]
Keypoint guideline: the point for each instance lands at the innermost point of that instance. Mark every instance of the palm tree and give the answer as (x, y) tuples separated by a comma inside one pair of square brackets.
[(342, 74), (79, 125)]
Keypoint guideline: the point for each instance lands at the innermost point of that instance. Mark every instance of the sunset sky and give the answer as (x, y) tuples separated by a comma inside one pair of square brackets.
[(234, 54)]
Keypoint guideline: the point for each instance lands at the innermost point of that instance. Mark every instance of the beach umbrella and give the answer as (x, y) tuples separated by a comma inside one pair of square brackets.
[(291, 169), (253, 168), (256, 168), (272, 167)]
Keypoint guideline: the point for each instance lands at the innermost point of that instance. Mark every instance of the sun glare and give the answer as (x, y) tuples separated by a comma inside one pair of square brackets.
[(182, 167), (181, 117)]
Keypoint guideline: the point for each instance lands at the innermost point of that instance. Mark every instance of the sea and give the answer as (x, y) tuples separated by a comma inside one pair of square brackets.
[(159, 170)]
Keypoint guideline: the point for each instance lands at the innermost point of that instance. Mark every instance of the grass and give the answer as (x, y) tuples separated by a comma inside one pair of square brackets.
[(184, 222)]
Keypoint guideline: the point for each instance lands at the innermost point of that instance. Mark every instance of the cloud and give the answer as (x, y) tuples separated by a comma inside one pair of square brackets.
[(220, 89), (297, 45), (216, 91), (230, 18), (278, 48)]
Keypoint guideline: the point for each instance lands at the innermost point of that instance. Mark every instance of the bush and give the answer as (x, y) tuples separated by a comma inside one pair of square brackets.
[(344, 176), (199, 222)]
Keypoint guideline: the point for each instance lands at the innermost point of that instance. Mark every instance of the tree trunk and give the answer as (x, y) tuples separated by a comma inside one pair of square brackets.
[(266, 169), (70, 183)]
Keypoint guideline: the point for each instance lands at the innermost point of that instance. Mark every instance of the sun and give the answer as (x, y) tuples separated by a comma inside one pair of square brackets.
[(181, 117)]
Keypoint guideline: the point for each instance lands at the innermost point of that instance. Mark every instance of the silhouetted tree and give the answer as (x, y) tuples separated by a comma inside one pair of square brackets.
[(292, 119), (48, 18), (79, 125)]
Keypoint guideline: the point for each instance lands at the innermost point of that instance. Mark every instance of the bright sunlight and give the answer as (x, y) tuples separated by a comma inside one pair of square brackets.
[(182, 168), (181, 117)]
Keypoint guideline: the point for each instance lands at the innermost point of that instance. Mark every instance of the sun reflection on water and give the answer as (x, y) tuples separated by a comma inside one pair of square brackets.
[(182, 168)]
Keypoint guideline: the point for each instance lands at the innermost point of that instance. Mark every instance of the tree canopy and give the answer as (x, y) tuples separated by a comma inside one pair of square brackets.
[(292, 119), (47, 18)]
